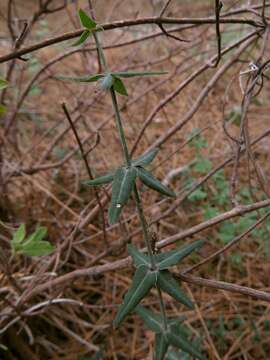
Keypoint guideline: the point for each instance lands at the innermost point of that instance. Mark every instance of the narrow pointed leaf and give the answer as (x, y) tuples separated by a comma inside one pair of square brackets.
[(129, 74), (168, 284), (101, 180), (84, 36), (91, 78), (86, 21), (149, 180), (19, 235), (179, 342), (107, 82), (138, 257), (37, 236), (123, 184), (173, 257), (152, 320), (3, 84), (40, 248), (144, 279), (119, 86), (146, 158), (161, 346)]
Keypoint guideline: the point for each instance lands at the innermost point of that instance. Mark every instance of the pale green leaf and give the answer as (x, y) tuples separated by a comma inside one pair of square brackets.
[(101, 180), (86, 21), (40, 248), (152, 320), (146, 158), (19, 235), (123, 183), (143, 280), (37, 236), (149, 180), (161, 346), (119, 86), (84, 36), (167, 283), (138, 257), (128, 74), (173, 257)]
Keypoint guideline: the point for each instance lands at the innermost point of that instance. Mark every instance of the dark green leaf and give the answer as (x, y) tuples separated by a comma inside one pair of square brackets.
[(3, 84), (161, 346), (119, 86), (91, 78), (168, 283), (129, 74), (123, 184), (173, 257), (101, 180), (146, 158), (181, 343), (149, 180), (152, 320), (84, 36), (138, 257), (86, 21), (107, 82), (143, 280), (40, 248)]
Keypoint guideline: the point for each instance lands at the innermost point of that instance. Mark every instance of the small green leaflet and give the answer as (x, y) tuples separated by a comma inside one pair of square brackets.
[(167, 283), (143, 280), (101, 180), (161, 346), (84, 36), (173, 257), (149, 180), (123, 184), (34, 245), (86, 21), (3, 84), (146, 158), (119, 86)]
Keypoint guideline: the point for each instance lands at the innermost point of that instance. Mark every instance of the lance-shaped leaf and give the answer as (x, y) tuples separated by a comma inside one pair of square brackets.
[(129, 74), (152, 320), (123, 184), (146, 158), (39, 248), (86, 21), (101, 180), (138, 257), (181, 343), (173, 257), (149, 180), (119, 86), (161, 346), (91, 78), (144, 279), (84, 36), (168, 284), (37, 236)]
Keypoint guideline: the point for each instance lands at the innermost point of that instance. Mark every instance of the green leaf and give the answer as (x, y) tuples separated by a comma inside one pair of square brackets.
[(138, 257), (119, 86), (146, 158), (129, 74), (19, 235), (86, 21), (181, 343), (91, 78), (84, 36), (3, 109), (123, 184), (143, 280), (168, 283), (152, 320), (161, 346), (39, 248), (3, 84), (149, 180), (37, 236), (107, 82), (173, 257), (101, 180)]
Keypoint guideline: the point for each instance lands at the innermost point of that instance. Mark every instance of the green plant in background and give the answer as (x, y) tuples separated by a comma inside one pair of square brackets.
[(3, 85), (152, 270), (33, 245)]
